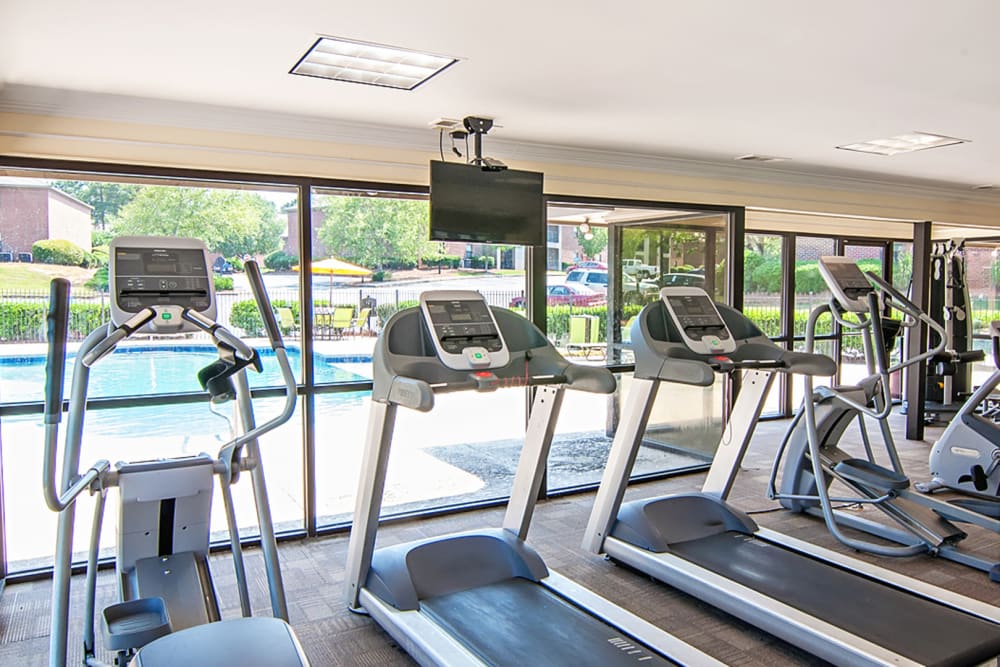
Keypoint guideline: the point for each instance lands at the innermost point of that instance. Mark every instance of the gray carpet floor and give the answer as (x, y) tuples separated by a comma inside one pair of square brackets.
[(314, 576)]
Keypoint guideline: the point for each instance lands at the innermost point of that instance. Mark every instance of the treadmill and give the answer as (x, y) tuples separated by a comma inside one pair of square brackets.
[(838, 608), (483, 597)]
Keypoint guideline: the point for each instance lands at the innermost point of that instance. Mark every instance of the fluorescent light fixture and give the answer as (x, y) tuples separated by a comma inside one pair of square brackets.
[(373, 64), (903, 143)]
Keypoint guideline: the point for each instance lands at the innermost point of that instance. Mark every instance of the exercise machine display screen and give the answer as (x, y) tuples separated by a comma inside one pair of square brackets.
[(464, 331), (461, 324), (847, 282), (696, 312), (166, 274), (155, 276), (697, 320)]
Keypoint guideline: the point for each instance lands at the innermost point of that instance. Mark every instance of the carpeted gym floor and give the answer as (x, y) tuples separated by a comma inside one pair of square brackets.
[(314, 576)]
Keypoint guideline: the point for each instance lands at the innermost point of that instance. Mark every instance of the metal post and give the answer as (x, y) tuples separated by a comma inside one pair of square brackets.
[(621, 459), (368, 504), (534, 455), (268, 543), (307, 322), (916, 341), (737, 433)]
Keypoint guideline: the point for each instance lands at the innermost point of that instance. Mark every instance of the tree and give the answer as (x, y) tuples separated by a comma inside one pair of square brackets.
[(230, 222), (596, 244), (376, 233), (106, 198)]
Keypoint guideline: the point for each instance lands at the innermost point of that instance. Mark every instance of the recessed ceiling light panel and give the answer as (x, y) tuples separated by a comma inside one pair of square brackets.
[(373, 64), (903, 143)]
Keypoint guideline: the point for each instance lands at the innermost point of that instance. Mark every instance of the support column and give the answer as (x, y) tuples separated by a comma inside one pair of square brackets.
[(916, 342)]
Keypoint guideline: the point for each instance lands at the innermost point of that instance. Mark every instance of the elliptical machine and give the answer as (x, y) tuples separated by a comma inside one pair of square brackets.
[(966, 458), (810, 449), (168, 605)]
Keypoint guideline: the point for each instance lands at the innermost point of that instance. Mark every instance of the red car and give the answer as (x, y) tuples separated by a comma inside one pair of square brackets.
[(588, 264), (566, 295)]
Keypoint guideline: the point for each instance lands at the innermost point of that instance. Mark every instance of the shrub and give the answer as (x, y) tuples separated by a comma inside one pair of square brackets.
[(25, 321), (381, 276), (223, 283), (58, 251), (236, 263), (246, 316), (448, 261), (279, 260), (99, 281), (765, 276), (557, 318), (387, 310)]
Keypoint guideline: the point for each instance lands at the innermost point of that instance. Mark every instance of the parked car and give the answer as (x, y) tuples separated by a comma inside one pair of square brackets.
[(595, 279), (684, 279), (588, 264), (566, 295), (635, 267)]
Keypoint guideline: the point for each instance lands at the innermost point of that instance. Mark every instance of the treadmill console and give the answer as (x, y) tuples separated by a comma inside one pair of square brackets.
[(698, 321), (849, 285), (164, 273), (465, 334)]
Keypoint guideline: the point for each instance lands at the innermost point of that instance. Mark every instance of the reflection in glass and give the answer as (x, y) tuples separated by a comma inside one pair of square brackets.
[(810, 289), (138, 434), (465, 450)]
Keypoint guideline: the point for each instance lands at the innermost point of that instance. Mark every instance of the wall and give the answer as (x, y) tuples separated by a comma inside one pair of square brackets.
[(23, 217), (327, 149), (69, 219), (292, 239)]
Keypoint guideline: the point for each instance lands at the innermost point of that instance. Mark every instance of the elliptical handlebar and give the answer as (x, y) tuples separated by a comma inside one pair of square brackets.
[(55, 365), (280, 354), (263, 303), (55, 370), (911, 310)]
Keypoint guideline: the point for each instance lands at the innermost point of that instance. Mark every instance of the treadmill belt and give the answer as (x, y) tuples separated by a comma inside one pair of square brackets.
[(907, 624), (518, 622)]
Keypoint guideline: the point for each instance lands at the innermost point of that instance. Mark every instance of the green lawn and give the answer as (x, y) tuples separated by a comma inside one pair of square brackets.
[(36, 277)]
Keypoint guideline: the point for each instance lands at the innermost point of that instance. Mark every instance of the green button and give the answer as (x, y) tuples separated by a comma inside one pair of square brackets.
[(166, 316), (479, 355)]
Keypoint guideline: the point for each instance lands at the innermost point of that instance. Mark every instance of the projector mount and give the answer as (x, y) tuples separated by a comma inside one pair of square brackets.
[(478, 127)]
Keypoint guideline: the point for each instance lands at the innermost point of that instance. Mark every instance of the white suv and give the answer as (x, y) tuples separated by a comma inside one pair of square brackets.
[(595, 279)]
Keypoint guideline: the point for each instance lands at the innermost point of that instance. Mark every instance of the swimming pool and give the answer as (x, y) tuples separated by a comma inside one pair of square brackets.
[(159, 369)]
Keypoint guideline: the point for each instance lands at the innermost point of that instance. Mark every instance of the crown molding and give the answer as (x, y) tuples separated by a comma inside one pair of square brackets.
[(34, 100)]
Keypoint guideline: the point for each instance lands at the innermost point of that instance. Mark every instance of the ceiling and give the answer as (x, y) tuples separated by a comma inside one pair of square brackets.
[(697, 80)]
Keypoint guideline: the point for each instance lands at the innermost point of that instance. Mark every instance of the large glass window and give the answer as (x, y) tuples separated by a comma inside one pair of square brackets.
[(368, 257), (371, 257), (61, 228)]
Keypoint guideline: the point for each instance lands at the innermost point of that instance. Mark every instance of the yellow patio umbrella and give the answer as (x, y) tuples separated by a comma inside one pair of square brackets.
[(332, 266)]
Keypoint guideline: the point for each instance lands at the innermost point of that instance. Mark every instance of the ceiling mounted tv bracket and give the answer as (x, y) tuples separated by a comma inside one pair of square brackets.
[(478, 127)]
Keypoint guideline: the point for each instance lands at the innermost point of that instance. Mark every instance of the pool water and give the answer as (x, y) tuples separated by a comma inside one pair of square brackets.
[(147, 370)]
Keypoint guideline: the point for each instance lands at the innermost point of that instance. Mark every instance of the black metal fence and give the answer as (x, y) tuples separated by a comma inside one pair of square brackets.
[(23, 312)]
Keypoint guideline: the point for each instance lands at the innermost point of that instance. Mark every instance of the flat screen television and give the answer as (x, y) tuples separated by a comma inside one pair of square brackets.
[(470, 204)]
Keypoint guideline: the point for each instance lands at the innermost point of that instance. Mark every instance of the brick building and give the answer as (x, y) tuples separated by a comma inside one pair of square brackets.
[(31, 212)]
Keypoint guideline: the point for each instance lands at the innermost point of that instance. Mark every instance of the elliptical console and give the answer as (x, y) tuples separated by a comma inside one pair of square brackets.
[(167, 274), (845, 279)]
